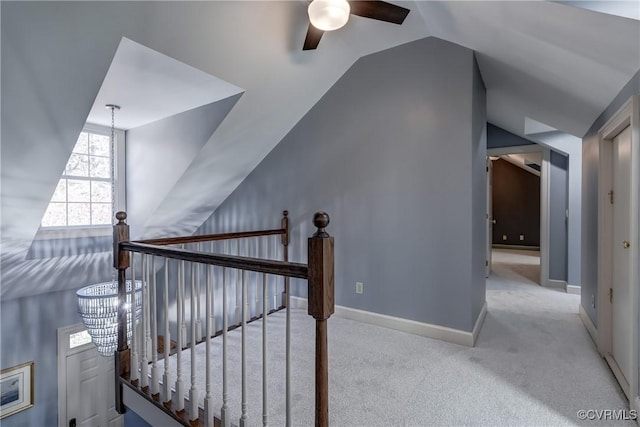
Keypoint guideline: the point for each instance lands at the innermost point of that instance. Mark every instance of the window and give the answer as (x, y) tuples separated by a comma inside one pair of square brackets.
[(84, 196)]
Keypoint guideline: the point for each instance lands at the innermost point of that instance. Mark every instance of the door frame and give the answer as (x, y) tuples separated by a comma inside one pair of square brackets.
[(627, 115), (544, 199), (64, 351)]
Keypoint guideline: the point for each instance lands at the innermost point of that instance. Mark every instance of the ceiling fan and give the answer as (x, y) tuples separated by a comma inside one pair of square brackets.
[(329, 15)]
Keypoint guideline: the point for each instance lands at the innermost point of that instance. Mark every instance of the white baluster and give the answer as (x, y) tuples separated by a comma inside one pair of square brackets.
[(179, 394), (182, 319), (193, 391), (144, 364), (135, 362), (288, 352), (243, 416), (238, 287), (224, 417), (208, 400), (156, 370), (213, 298), (199, 290), (166, 386), (265, 400), (257, 303)]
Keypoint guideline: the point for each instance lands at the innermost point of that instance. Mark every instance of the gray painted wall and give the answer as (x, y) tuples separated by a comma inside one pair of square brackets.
[(558, 205), (159, 153), (499, 138), (395, 153), (590, 155), (29, 332), (478, 193)]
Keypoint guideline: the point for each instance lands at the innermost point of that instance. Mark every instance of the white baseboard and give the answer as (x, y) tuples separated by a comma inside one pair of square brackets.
[(573, 289), (556, 284), (591, 328), (479, 323), (443, 333)]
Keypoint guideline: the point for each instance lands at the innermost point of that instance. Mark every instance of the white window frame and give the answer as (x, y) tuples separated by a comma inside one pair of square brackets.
[(72, 231)]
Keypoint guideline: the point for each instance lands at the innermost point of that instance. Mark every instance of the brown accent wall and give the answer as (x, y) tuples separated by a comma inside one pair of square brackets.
[(516, 205)]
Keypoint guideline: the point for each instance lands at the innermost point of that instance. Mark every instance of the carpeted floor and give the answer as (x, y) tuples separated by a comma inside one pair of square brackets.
[(534, 364)]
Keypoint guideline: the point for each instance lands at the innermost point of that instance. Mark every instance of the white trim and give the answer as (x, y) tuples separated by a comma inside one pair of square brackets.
[(544, 198), (627, 115), (556, 284), (147, 410), (573, 289), (545, 182), (517, 247), (63, 352), (515, 149), (438, 332), (479, 322), (588, 324), (617, 373), (69, 232)]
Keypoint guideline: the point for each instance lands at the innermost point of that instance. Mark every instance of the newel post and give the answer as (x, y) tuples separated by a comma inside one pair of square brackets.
[(121, 263), (321, 307)]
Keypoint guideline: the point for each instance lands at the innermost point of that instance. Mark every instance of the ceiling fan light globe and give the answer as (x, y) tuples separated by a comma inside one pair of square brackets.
[(329, 15)]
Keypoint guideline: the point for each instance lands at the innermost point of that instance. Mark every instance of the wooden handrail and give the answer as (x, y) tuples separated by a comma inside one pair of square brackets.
[(212, 237), (319, 272), (280, 268)]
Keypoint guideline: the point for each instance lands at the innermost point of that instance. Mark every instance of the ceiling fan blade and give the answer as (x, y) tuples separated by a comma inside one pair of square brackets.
[(313, 38), (380, 10)]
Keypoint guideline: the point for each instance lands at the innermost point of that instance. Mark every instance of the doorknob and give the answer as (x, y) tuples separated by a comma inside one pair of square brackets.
[(626, 244), (494, 221)]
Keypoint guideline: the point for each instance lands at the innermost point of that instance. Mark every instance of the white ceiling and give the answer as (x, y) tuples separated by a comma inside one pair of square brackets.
[(150, 86)]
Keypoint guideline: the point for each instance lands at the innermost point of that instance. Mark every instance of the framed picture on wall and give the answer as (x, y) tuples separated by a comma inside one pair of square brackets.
[(16, 389)]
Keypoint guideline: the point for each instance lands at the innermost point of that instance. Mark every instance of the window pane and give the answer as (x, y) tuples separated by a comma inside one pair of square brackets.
[(100, 213), (101, 191), (78, 190), (60, 195), (99, 145), (79, 214), (82, 143), (55, 216), (78, 339), (78, 165), (100, 167)]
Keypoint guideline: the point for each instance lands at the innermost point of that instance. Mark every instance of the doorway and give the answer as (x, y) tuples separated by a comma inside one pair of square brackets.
[(618, 253), (514, 204), (85, 382)]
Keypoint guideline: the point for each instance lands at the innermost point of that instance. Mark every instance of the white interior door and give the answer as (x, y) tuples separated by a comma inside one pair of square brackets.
[(88, 385), (621, 283), (489, 214)]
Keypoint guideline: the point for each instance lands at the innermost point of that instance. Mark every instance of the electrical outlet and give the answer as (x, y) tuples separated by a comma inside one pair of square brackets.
[(359, 287), (522, 237), (504, 237)]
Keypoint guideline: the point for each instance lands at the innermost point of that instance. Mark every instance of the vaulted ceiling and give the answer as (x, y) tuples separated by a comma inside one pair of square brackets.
[(554, 63)]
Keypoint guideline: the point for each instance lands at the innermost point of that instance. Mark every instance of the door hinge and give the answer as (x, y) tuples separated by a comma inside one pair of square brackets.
[(611, 295), (610, 196), (486, 263)]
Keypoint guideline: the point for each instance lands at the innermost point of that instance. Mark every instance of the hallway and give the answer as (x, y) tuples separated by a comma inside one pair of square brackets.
[(534, 340)]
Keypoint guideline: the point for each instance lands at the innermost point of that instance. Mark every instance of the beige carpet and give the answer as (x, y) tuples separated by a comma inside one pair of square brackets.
[(534, 364)]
